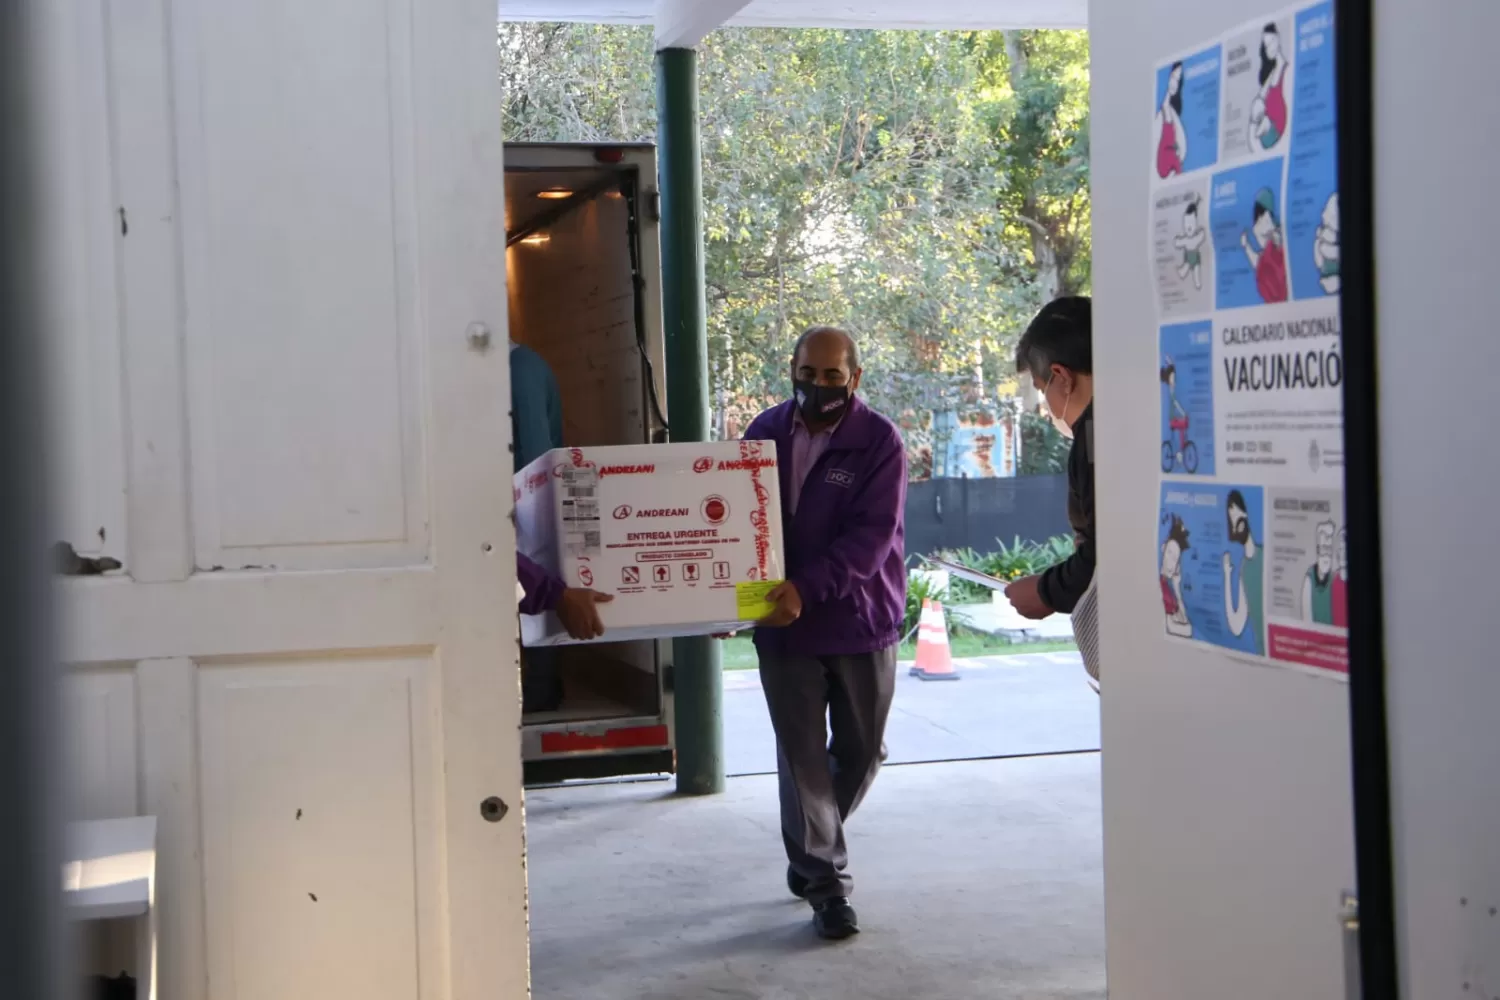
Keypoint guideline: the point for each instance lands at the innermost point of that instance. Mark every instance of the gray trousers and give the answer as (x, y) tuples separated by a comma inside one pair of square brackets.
[(824, 779)]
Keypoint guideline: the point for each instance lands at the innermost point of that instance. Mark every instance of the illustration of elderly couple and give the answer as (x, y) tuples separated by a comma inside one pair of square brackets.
[(1268, 109), (1325, 587), (1242, 599)]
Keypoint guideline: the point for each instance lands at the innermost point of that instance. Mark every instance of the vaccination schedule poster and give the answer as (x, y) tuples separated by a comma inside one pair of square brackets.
[(1243, 238)]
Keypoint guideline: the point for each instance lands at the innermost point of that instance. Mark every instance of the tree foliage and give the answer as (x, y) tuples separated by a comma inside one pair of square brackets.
[(1044, 451), (927, 189)]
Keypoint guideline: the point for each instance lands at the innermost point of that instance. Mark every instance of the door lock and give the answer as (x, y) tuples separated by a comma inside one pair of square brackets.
[(1349, 918), (493, 809), (479, 336)]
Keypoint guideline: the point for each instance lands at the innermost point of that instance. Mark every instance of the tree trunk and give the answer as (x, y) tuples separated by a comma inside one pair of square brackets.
[(1043, 253)]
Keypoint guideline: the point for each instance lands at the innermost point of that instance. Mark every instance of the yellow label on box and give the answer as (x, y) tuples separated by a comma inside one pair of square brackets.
[(750, 599)]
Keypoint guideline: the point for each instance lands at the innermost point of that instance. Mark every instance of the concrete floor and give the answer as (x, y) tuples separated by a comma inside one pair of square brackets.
[(1001, 706), (978, 880)]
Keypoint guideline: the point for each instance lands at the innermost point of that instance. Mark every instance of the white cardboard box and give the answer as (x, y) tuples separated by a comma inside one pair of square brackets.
[(685, 536)]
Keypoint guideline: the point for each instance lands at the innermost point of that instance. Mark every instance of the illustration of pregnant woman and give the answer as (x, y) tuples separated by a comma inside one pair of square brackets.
[(1266, 249), (1268, 111), (1326, 247), (1171, 137), (1172, 550), (1191, 244)]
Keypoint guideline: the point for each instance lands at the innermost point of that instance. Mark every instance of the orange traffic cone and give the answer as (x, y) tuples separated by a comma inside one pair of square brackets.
[(934, 659)]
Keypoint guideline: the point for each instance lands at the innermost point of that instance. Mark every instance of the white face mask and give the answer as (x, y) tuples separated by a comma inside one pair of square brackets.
[(1060, 420)]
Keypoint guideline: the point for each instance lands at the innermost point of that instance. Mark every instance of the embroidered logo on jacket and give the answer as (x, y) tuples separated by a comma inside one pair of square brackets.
[(838, 477)]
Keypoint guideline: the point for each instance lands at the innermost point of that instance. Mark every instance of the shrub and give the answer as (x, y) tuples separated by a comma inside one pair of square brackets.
[(1008, 562), (919, 589)]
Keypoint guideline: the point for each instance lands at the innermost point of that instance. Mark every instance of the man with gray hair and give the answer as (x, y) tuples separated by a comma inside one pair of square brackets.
[(1057, 352), (1317, 585), (828, 650)]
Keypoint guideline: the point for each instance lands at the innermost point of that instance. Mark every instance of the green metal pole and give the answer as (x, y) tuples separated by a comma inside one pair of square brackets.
[(698, 676)]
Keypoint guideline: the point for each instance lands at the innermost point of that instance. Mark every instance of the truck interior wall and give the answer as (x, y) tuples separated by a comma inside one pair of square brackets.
[(572, 300), (1227, 809)]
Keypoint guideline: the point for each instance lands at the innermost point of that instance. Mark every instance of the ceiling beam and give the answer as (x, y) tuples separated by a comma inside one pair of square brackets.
[(920, 15), (579, 11), (680, 20), (682, 24)]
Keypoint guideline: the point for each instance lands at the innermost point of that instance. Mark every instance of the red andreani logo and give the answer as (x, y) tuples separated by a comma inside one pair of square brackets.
[(746, 465), (627, 470), (703, 464), (623, 511), (715, 510)]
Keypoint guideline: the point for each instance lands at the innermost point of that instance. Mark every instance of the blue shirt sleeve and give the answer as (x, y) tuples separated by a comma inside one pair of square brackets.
[(536, 407)]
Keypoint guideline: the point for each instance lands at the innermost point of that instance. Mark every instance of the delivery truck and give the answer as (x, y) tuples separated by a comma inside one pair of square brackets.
[(584, 286)]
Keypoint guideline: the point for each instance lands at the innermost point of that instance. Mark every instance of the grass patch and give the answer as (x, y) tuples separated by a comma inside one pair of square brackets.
[(739, 653), (965, 643)]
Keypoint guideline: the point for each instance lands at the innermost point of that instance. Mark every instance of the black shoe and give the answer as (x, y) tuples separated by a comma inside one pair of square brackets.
[(834, 919), (796, 883)]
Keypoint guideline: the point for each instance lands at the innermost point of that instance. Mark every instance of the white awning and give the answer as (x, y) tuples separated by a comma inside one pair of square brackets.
[(679, 21)]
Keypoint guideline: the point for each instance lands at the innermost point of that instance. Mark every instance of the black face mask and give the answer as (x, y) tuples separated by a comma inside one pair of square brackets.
[(820, 404), (1239, 530)]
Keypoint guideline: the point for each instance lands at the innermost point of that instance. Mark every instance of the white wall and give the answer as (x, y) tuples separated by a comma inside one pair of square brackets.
[(1228, 822), (1436, 225)]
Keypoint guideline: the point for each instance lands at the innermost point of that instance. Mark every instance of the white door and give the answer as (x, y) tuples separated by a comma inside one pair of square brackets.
[(1228, 815), (276, 227)]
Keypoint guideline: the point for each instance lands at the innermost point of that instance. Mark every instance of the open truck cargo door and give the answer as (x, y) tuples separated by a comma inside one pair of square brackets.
[(584, 272)]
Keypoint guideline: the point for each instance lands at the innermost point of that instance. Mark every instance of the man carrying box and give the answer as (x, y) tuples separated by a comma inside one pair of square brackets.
[(536, 428), (828, 649)]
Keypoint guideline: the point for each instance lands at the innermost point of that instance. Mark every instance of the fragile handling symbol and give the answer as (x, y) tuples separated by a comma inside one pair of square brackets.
[(630, 574), (690, 572)]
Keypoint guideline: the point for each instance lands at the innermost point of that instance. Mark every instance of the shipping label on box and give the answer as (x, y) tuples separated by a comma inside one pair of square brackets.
[(687, 537)]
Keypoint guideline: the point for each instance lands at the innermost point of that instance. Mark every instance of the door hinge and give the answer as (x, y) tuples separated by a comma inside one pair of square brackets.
[(668, 678), (67, 562), (653, 205)]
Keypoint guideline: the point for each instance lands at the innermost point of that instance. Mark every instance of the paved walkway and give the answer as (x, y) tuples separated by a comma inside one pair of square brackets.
[(979, 880), (1032, 703), (1002, 619)]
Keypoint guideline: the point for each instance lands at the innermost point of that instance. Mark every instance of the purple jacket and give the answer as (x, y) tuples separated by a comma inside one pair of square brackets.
[(846, 545), (542, 588)]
